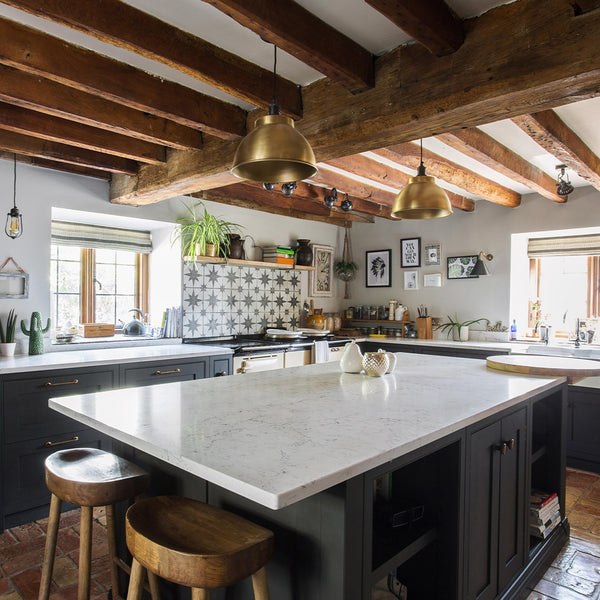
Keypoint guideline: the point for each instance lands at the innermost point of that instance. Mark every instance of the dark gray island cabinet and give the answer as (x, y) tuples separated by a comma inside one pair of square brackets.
[(425, 473)]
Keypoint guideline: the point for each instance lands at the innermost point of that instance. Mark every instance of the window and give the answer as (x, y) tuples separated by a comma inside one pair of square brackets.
[(97, 273)]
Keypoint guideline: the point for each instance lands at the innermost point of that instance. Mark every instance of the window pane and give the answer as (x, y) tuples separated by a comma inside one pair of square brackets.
[(68, 309), (125, 257), (125, 280), (53, 251), (105, 279), (105, 256), (124, 305), (68, 277), (69, 253), (105, 309)]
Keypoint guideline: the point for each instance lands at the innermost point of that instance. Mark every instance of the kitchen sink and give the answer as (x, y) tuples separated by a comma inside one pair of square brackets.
[(570, 351)]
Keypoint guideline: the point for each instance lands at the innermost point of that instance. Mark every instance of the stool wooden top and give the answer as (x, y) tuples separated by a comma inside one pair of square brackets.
[(195, 544), (92, 477)]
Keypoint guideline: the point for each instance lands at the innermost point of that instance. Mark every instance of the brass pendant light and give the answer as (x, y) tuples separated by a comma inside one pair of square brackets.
[(422, 198), (274, 151)]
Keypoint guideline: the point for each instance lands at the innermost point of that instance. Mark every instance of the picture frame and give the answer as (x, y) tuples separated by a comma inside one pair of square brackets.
[(411, 280), (378, 271), (14, 285), (410, 252), (321, 279), (460, 267), (432, 280), (432, 255)]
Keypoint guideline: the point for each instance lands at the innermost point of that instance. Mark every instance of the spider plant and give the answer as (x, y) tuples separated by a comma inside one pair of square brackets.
[(454, 326), (345, 270), (9, 336)]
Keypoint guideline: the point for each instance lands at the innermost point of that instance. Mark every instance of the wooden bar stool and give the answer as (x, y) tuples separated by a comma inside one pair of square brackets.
[(195, 545), (87, 477)]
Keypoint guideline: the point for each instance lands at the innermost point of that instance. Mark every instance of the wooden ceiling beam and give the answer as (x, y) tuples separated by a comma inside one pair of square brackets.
[(45, 96), (583, 6), (28, 122), (124, 26), (300, 33), (30, 50), (25, 144), (408, 154), (431, 22), (552, 134), (56, 166), (483, 148), (499, 72)]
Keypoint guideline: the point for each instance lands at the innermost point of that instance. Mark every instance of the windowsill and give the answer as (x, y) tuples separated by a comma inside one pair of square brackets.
[(119, 340)]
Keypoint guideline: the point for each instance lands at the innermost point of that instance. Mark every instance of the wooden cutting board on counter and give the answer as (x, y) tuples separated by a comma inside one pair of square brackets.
[(573, 369)]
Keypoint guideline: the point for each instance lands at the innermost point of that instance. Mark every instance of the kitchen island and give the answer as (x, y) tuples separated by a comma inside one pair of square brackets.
[(322, 457)]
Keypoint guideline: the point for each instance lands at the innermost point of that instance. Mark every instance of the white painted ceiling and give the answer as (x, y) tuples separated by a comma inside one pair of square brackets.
[(355, 19)]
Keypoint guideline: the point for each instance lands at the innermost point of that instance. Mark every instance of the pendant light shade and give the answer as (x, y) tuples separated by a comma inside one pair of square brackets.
[(274, 152), (422, 198)]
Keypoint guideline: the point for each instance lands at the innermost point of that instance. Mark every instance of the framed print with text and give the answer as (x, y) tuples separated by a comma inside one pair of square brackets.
[(379, 268), (433, 255), (321, 279), (432, 280), (410, 253)]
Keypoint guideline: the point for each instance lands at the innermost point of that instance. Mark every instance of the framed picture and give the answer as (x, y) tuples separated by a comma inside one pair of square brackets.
[(432, 280), (410, 253), (410, 280), (321, 279), (433, 255), (460, 267), (379, 268)]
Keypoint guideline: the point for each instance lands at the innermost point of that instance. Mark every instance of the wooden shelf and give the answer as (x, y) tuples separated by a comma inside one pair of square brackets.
[(245, 263), (380, 321), (541, 451)]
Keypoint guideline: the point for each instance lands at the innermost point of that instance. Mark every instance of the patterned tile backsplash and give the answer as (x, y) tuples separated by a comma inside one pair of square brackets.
[(228, 300)]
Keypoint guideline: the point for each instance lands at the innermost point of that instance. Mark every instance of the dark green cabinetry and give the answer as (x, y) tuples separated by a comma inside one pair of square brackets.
[(583, 428), (437, 350)]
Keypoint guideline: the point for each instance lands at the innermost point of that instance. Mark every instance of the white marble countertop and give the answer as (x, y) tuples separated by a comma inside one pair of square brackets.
[(90, 358), (277, 437), (589, 382), (469, 345)]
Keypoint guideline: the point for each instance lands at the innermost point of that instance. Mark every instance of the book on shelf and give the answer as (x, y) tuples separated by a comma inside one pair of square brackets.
[(282, 260), (278, 250), (540, 499), (543, 531), (543, 514)]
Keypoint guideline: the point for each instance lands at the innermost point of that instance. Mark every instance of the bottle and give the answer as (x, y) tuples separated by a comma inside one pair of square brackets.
[(513, 330)]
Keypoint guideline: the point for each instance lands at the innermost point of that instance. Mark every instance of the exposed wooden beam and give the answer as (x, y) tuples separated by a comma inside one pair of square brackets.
[(583, 6), (478, 145), (28, 122), (408, 154), (25, 144), (552, 134), (122, 25), (431, 22), (303, 35), (499, 72), (41, 54), (48, 97), (372, 169), (56, 166)]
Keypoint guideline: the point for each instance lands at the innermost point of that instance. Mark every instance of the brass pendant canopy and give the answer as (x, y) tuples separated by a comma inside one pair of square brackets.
[(275, 152)]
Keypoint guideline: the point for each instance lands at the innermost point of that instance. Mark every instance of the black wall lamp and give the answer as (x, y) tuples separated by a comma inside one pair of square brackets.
[(331, 198), (563, 183), (14, 218), (480, 267)]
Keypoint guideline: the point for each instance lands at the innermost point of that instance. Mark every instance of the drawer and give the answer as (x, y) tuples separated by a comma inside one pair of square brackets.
[(23, 467), (220, 366), (335, 353), (163, 372), (25, 410)]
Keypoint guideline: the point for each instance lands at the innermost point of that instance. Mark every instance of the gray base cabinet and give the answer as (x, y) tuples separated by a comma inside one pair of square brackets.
[(437, 350), (583, 432)]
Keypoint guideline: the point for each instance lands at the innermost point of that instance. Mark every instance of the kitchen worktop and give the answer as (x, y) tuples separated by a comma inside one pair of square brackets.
[(469, 345), (86, 358), (317, 426)]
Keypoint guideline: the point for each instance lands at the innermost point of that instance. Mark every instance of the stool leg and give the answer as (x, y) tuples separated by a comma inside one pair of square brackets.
[(85, 553), (50, 550), (112, 551), (259, 583), (154, 585), (136, 581), (200, 594)]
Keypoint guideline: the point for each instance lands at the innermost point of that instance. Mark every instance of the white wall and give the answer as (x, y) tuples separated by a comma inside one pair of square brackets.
[(488, 228)]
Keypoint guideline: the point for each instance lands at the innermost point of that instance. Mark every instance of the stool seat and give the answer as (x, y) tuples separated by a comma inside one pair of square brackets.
[(195, 544), (92, 477)]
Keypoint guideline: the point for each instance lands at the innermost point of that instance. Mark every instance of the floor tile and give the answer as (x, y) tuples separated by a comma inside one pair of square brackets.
[(27, 532)]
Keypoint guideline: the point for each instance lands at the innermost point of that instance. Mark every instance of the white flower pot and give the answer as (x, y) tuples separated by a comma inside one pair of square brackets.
[(464, 334), (7, 349)]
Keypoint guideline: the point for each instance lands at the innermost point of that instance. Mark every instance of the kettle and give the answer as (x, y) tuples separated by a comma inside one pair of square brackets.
[(135, 327)]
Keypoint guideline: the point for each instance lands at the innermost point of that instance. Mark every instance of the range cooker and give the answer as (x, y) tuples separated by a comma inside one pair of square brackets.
[(252, 353)]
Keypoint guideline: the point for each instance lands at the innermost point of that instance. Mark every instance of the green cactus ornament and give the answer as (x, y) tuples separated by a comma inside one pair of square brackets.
[(35, 333)]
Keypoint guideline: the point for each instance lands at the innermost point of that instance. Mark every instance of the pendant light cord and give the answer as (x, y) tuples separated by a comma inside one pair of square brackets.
[(274, 107), (421, 169)]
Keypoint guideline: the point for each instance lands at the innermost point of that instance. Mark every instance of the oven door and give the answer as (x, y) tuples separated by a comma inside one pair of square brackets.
[(254, 363)]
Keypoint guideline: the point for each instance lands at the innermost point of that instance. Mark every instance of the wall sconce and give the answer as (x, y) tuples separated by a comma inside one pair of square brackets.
[(563, 183), (14, 218), (330, 200), (480, 267)]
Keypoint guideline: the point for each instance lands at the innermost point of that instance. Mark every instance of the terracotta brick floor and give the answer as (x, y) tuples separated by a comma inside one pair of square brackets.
[(575, 574)]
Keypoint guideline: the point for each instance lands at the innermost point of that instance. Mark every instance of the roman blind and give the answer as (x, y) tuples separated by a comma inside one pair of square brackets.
[(573, 245), (98, 236)]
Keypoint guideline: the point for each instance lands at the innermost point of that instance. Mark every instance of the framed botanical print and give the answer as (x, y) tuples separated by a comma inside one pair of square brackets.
[(433, 255), (321, 279), (410, 253), (460, 267), (379, 268)]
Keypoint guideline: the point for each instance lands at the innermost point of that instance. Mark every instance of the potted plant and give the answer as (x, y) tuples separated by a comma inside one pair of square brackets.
[(458, 329), (345, 270), (7, 338), (203, 234)]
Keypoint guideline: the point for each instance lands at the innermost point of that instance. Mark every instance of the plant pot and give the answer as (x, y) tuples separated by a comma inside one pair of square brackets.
[(210, 250), (7, 348), (304, 253), (464, 334)]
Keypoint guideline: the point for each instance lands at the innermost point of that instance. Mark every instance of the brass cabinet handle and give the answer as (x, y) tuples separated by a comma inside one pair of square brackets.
[(334, 349), (511, 444), (221, 374), (50, 384), (75, 438), (166, 372), (506, 446)]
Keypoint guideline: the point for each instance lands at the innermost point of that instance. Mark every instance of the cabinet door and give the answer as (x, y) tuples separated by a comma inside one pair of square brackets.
[(583, 437), (220, 366), (165, 371)]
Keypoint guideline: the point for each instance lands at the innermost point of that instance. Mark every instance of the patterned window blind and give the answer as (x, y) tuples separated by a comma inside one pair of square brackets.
[(573, 245), (98, 236)]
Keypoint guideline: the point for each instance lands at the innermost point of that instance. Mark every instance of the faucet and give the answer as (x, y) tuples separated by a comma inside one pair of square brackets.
[(577, 332), (545, 334)]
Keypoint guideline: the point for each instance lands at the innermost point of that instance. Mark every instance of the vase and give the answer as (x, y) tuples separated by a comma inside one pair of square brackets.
[(375, 364), (7, 348), (464, 334), (304, 253), (351, 361), (236, 246)]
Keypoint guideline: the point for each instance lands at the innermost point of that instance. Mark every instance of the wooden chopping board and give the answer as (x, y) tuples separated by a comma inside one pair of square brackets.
[(573, 369)]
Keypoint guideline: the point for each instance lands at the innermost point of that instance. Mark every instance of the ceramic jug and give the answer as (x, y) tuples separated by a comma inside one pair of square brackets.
[(391, 358), (351, 361)]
